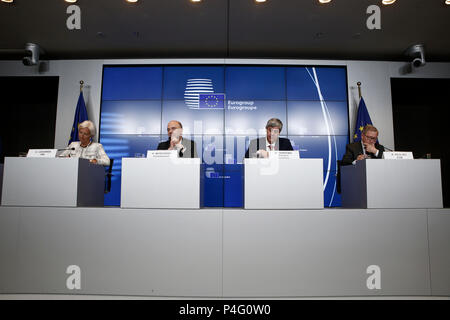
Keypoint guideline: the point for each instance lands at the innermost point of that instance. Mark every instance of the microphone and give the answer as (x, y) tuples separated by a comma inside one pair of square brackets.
[(64, 149), (388, 149)]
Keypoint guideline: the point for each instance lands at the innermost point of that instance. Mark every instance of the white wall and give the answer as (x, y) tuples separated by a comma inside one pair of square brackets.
[(374, 76)]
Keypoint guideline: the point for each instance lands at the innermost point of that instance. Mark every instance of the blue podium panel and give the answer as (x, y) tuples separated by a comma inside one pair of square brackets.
[(213, 185), (317, 118), (307, 83), (255, 83), (250, 117), (195, 121), (329, 148), (124, 146), (330, 196), (131, 117), (132, 83), (186, 82), (233, 185)]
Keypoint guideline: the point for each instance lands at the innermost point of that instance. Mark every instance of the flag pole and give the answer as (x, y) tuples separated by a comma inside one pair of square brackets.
[(359, 88), (81, 85)]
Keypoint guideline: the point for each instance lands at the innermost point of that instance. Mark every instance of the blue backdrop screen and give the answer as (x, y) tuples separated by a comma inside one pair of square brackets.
[(139, 101)]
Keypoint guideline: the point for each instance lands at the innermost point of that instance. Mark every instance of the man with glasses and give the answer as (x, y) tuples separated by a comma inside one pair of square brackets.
[(367, 148), (259, 148)]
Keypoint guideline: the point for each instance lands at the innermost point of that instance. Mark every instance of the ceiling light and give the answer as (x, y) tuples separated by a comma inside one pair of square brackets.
[(132, 1), (324, 1), (70, 1), (386, 2), (447, 1), (8, 1), (196, 0), (260, 0)]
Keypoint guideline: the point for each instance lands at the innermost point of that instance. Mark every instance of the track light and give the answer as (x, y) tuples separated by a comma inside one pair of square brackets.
[(31, 54), (417, 52)]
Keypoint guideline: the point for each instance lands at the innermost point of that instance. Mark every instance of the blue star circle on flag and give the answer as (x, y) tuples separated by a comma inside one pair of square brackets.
[(211, 101)]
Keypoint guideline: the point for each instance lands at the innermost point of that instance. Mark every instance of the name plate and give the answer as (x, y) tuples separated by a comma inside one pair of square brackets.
[(42, 153), (162, 154), (284, 154), (398, 155)]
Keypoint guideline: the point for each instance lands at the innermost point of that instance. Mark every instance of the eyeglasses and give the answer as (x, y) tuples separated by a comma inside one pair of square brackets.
[(371, 138)]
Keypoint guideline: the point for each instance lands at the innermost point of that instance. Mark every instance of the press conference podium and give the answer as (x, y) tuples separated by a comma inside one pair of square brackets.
[(167, 183), (379, 183), (283, 183), (49, 182), (1, 180)]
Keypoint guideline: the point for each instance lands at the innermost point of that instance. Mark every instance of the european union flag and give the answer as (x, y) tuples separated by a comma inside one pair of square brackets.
[(362, 119), (80, 116), (211, 101)]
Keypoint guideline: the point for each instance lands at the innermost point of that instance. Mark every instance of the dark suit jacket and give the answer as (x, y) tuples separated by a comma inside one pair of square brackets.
[(354, 149), (191, 148), (258, 144)]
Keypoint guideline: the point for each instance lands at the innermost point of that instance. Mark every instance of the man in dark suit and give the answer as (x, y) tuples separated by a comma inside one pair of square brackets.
[(186, 148), (367, 148), (260, 147)]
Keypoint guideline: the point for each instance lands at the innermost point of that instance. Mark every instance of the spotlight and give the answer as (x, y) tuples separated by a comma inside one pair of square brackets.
[(387, 2), (31, 54), (417, 52)]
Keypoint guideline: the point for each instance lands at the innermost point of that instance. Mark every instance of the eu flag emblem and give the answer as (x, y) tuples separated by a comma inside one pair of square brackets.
[(211, 101), (362, 119), (80, 116)]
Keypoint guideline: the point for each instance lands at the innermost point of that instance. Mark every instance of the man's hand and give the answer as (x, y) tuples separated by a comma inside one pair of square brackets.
[(361, 157), (370, 148), (93, 161), (262, 153)]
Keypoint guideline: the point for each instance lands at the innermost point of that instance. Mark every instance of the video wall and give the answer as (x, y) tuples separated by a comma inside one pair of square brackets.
[(139, 101)]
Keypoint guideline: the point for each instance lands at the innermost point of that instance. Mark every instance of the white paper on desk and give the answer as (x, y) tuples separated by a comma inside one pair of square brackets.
[(162, 154), (42, 153)]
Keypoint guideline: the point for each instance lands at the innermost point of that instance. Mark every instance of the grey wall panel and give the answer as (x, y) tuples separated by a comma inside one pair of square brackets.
[(125, 252), (397, 243), (9, 239), (439, 237), (270, 253)]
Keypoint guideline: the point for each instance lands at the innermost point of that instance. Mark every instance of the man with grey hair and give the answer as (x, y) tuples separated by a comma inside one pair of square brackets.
[(367, 148), (271, 142)]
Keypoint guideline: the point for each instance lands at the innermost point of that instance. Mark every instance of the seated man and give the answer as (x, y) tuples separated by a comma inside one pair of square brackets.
[(259, 147), (367, 148), (185, 147)]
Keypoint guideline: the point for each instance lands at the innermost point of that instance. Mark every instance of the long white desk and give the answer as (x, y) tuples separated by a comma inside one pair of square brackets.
[(67, 182), (283, 183), (378, 183), (161, 183), (225, 252)]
